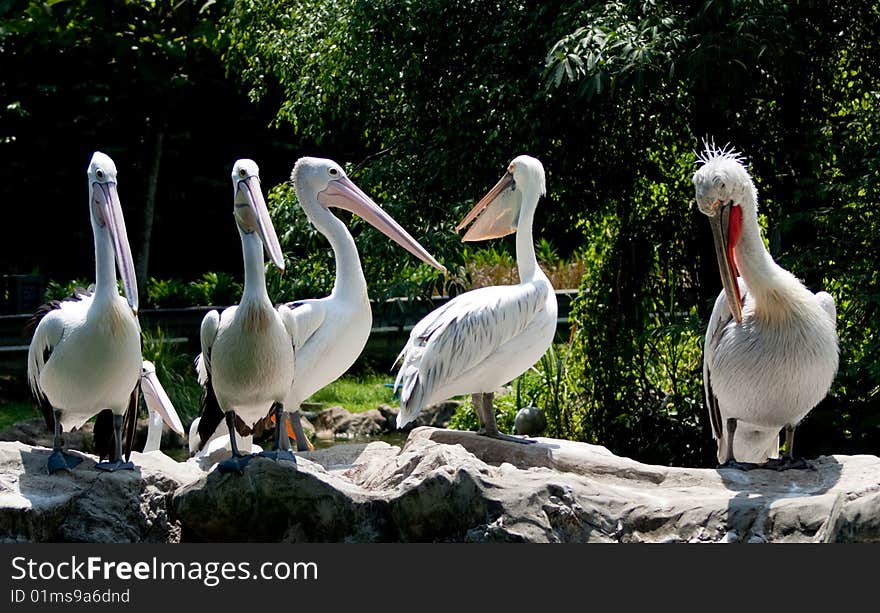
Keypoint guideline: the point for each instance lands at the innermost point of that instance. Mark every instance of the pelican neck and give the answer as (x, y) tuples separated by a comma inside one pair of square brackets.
[(762, 274), (254, 269), (526, 261), (105, 264), (349, 280)]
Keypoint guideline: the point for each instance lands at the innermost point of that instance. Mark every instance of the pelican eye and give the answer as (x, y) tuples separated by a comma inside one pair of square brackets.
[(334, 172), (242, 173), (99, 173)]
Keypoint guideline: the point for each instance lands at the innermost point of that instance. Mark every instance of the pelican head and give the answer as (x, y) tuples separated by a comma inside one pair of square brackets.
[(251, 213), (106, 214), (725, 192), (497, 213), (325, 182)]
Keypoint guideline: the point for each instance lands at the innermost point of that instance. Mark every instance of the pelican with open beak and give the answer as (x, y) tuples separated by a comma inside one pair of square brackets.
[(485, 338)]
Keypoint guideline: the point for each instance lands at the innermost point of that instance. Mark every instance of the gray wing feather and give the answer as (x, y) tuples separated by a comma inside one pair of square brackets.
[(460, 335)]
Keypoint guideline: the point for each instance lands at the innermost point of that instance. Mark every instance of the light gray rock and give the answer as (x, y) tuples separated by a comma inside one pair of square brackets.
[(459, 486), (34, 432), (436, 415), (342, 423), (441, 485), (87, 505)]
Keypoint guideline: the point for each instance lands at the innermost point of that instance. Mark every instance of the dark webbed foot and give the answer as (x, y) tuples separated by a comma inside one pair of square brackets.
[(279, 455), (235, 464), (60, 461), (739, 465), (112, 467), (507, 437)]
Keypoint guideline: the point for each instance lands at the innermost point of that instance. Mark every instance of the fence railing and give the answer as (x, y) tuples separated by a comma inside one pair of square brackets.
[(392, 321)]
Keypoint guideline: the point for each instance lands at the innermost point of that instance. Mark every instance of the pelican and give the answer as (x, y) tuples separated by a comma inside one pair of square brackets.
[(247, 360), (159, 408), (332, 331), (484, 338), (771, 345), (85, 355)]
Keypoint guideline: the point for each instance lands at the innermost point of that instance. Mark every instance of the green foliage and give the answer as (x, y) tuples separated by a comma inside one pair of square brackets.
[(506, 407), (56, 290), (12, 412), (167, 293), (215, 288), (212, 289), (355, 393), (552, 392)]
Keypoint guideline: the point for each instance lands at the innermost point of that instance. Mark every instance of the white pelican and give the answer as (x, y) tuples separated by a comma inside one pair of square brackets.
[(332, 331), (85, 355), (247, 360), (159, 408), (771, 346), (484, 338)]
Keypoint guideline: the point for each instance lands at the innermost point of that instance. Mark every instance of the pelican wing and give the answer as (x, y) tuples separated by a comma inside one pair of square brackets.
[(308, 315), (210, 413), (129, 424), (718, 321), (826, 301), (459, 336), (46, 329)]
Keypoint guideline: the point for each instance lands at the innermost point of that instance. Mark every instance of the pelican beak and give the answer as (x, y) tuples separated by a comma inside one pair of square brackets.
[(343, 194), (108, 212), (253, 194), (496, 213), (726, 225), (156, 398)]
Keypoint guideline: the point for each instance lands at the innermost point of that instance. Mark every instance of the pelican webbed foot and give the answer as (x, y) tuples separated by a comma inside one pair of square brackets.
[(112, 467), (235, 464), (60, 461), (507, 437), (279, 455)]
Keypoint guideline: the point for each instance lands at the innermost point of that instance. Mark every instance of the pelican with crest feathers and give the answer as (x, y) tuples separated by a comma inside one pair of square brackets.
[(332, 331), (770, 351), (484, 338), (246, 364), (85, 355)]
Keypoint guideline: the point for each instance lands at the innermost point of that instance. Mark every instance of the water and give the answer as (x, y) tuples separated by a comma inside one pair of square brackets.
[(396, 439)]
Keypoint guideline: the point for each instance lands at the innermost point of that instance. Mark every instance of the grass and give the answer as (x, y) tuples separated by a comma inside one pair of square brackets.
[(490, 266), (15, 411), (356, 393)]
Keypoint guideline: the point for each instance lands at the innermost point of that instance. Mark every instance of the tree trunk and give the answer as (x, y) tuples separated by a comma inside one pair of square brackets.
[(143, 259)]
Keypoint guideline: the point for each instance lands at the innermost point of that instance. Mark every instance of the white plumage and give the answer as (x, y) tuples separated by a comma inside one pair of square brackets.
[(766, 371), (332, 331), (484, 338), (85, 355), (94, 361), (247, 359)]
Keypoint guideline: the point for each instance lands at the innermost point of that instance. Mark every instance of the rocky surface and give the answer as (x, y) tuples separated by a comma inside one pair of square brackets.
[(337, 422), (441, 486), (458, 486), (88, 505)]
